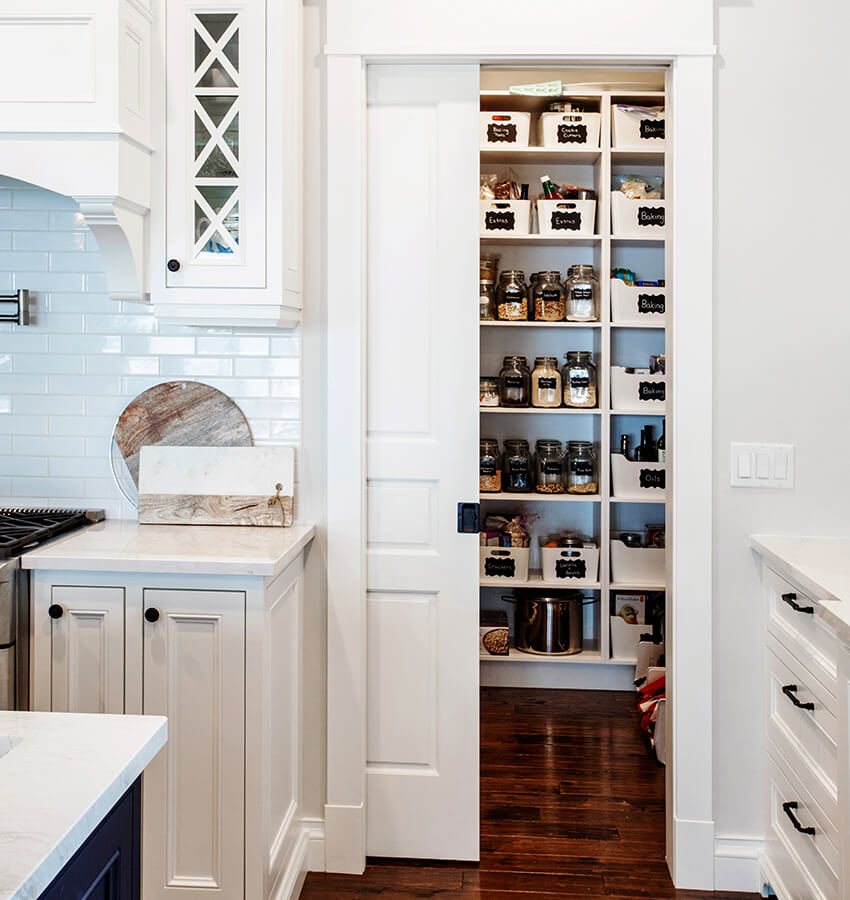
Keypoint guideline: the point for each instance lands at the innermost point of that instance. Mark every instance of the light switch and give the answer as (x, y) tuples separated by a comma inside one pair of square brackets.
[(780, 465), (762, 465), (744, 465)]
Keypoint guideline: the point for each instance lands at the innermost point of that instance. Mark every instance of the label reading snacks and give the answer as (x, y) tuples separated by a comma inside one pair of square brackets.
[(500, 220), (563, 220), (572, 134), (652, 129), (501, 132), (652, 390), (653, 478), (650, 303), (650, 216), (570, 568), (503, 567)]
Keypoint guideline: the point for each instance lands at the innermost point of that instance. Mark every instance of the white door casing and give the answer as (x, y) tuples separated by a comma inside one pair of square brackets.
[(422, 575)]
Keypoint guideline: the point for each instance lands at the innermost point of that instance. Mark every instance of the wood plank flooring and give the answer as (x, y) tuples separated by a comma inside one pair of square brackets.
[(572, 806)]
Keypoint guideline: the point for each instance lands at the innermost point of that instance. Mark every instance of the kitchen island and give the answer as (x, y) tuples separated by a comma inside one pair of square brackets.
[(60, 776)]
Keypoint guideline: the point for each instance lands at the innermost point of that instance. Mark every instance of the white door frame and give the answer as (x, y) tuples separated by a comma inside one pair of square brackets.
[(690, 820)]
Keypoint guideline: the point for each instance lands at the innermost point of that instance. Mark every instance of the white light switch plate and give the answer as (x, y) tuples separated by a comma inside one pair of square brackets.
[(762, 465)]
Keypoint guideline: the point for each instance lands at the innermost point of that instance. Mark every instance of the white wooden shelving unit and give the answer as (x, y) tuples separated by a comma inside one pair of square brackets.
[(612, 344)]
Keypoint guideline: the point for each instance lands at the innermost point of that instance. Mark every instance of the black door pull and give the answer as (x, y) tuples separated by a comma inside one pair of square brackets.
[(791, 600), (789, 811), (790, 692)]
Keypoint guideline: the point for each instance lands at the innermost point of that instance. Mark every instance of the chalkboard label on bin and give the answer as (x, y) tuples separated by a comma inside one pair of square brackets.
[(501, 220), (653, 478), (501, 132), (650, 215), (547, 384), (652, 128), (570, 568), (651, 390), (572, 134), (651, 303), (502, 567), (564, 220)]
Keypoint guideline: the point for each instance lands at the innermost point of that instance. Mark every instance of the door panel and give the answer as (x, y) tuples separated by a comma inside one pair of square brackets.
[(422, 445)]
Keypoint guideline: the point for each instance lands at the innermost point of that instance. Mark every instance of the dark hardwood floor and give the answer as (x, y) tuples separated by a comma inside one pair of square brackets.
[(572, 805)]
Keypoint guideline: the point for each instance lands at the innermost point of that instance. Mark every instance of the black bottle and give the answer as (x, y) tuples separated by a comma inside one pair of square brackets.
[(626, 445), (646, 450), (661, 446)]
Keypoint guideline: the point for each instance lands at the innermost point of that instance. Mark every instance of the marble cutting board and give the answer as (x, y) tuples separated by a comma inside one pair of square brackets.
[(216, 485)]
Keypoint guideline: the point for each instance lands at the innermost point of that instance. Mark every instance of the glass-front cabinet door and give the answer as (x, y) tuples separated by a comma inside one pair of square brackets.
[(215, 228)]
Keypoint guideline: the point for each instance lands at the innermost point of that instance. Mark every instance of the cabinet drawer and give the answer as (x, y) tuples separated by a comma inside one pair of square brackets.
[(807, 735), (805, 635), (810, 861)]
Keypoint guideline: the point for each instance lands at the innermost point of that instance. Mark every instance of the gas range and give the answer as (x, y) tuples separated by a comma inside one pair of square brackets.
[(22, 528)]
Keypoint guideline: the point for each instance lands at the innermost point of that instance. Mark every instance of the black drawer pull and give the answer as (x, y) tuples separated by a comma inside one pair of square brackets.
[(791, 600), (55, 611), (790, 692), (789, 811)]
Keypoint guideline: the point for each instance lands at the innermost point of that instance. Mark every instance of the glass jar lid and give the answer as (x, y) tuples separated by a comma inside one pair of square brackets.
[(581, 270), (580, 446), (508, 360), (550, 361), (516, 444), (551, 276), (579, 356), (546, 445), (489, 444), (489, 382), (511, 274)]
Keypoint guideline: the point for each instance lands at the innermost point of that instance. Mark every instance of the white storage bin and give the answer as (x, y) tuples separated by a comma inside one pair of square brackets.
[(632, 305), (637, 565), (503, 564), (625, 638), (631, 392), (505, 129), (569, 566), (505, 216), (637, 480), (569, 130), (636, 128), (643, 217), (566, 216)]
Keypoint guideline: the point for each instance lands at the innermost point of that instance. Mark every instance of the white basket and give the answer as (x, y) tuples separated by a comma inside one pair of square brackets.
[(566, 216), (569, 130), (503, 565), (625, 638), (632, 480), (569, 565), (636, 129), (505, 216), (643, 217), (631, 392), (637, 565), (505, 129), (632, 305)]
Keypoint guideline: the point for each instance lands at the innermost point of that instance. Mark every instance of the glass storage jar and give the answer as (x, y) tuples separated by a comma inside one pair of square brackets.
[(486, 301), (548, 298), (549, 468), (582, 468), (546, 383), (582, 290), (512, 296), (579, 379), (488, 392), (489, 467), (517, 467), (514, 382)]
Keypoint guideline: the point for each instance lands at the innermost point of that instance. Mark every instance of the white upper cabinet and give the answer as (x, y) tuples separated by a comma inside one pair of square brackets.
[(226, 216)]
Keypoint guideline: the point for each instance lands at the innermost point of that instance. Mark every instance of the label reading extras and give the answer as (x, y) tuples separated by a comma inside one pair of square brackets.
[(572, 134), (551, 467), (500, 220), (651, 390), (653, 478), (570, 568), (583, 468), (502, 567), (547, 384), (501, 133), (513, 381), (650, 303), (652, 129), (565, 220), (650, 216)]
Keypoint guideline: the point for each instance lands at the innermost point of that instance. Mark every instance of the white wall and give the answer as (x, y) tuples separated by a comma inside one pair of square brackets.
[(782, 330)]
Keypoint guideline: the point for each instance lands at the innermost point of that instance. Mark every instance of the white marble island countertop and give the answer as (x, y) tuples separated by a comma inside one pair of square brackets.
[(120, 545), (60, 774), (819, 565)]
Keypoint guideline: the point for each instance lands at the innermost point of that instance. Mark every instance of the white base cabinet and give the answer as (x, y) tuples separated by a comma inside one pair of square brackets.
[(221, 657)]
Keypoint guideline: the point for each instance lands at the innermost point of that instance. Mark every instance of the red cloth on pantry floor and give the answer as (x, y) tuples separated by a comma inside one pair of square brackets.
[(648, 697)]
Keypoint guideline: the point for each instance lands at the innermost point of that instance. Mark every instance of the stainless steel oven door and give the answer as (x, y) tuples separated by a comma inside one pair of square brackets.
[(7, 678)]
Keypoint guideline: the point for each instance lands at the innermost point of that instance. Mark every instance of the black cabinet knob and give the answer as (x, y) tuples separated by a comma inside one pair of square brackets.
[(55, 611), (173, 265), (152, 614)]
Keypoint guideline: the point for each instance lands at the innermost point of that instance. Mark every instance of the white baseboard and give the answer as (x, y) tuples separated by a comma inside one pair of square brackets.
[(345, 839), (315, 859), (306, 853), (693, 866), (497, 673), (737, 864)]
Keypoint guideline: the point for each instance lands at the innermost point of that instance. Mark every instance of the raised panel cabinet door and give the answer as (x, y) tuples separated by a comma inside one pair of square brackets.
[(422, 452), (86, 649), (194, 673)]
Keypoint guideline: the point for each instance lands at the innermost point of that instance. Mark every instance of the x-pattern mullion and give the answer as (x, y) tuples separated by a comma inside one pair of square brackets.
[(216, 136), (216, 49), (216, 220)]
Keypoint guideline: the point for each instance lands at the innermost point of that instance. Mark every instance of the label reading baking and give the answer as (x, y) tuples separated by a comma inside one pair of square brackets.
[(500, 567), (579, 382), (653, 478), (650, 216), (570, 568), (500, 220), (501, 133), (652, 129), (651, 390), (487, 468), (547, 384), (572, 134), (650, 303), (565, 220), (513, 381), (583, 468)]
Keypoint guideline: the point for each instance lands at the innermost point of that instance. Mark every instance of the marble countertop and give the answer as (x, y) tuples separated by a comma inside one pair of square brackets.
[(120, 545), (819, 565), (62, 774)]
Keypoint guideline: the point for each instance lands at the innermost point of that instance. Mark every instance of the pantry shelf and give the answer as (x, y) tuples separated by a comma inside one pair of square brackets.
[(637, 157), (636, 239), (550, 239), (658, 326), (535, 579), (493, 324), (634, 586), (562, 411), (645, 414), (621, 661), (540, 155), (638, 500), (544, 498), (593, 657)]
